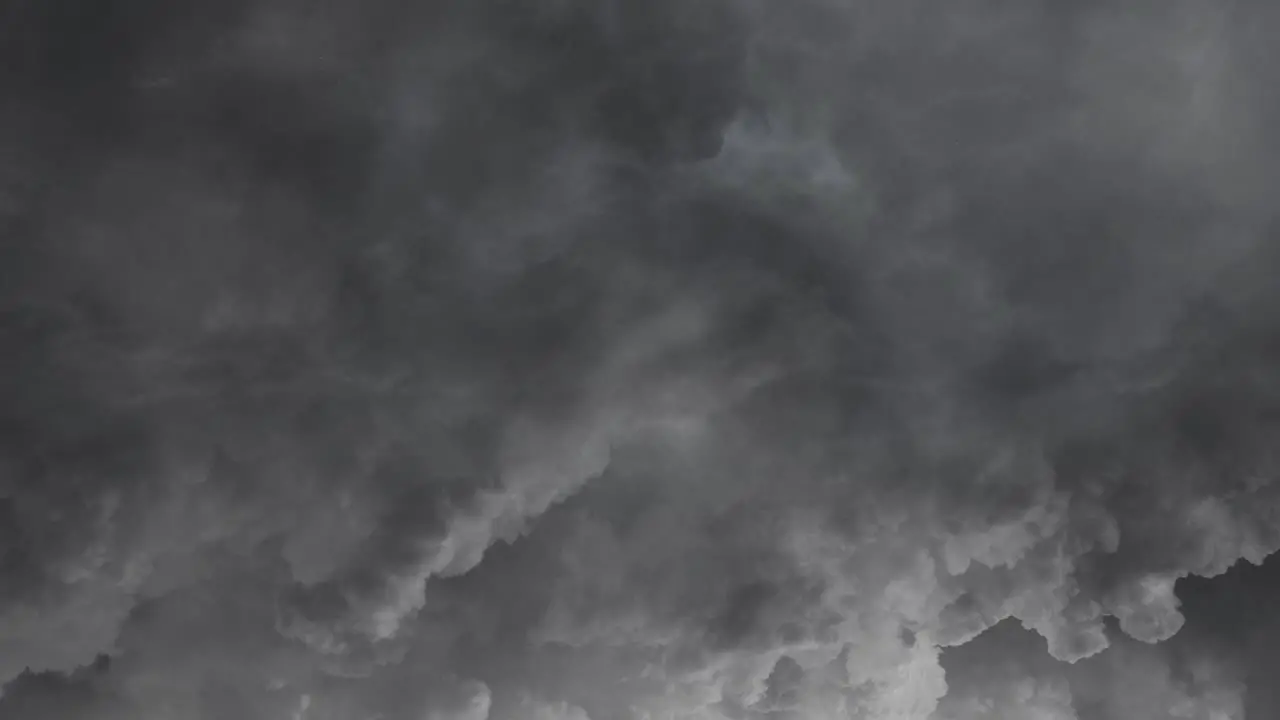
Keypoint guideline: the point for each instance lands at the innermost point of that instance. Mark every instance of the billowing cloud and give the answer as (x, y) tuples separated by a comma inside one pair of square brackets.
[(635, 360)]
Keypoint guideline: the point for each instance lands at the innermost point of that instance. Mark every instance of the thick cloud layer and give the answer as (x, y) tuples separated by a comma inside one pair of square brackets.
[(637, 360)]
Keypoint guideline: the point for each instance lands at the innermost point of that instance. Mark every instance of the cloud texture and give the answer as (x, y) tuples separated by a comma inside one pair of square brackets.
[(715, 359)]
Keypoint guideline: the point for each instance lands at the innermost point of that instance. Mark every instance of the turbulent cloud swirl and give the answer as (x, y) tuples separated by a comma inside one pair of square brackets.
[(637, 360)]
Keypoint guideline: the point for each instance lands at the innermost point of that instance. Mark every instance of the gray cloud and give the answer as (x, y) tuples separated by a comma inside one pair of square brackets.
[(635, 360)]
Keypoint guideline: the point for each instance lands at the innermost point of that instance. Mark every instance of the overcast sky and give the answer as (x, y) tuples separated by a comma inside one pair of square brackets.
[(639, 360)]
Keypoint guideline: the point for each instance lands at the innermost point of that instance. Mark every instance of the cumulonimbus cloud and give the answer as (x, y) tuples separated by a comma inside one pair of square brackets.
[(631, 360)]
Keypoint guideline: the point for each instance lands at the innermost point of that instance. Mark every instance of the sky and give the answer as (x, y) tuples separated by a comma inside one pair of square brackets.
[(623, 360)]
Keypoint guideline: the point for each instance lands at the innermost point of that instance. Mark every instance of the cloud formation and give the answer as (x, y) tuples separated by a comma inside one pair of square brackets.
[(635, 360)]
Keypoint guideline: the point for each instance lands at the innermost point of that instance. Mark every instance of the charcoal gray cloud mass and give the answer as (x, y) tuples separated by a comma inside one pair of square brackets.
[(639, 360)]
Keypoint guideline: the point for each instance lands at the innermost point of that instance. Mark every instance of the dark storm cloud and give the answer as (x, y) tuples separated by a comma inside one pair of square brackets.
[(633, 360)]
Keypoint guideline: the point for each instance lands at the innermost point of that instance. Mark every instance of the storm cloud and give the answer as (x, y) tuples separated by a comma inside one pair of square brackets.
[(622, 360)]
